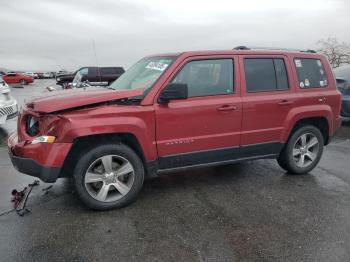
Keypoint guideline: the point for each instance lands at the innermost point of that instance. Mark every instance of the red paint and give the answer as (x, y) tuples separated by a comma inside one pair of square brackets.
[(17, 78), (182, 126)]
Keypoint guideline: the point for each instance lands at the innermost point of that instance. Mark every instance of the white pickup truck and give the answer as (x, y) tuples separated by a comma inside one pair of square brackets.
[(8, 105)]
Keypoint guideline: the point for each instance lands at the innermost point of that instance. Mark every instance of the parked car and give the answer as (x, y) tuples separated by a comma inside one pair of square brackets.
[(52, 74), (95, 76), (342, 75), (15, 78), (177, 111), (47, 75), (64, 79), (62, 71), (32, 74), (40, 75), (8, 105)]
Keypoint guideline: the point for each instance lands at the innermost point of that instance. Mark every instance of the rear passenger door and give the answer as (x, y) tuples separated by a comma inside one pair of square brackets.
[(267, 97)]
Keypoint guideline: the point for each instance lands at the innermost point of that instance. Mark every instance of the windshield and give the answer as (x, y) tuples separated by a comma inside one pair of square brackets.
[(143, 74), (77, 78), (79, 75)]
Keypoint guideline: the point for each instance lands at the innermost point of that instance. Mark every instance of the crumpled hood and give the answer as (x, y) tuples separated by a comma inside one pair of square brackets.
[(72, 98)]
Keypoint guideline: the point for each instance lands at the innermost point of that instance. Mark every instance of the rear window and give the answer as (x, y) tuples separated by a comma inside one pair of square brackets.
[(265, 74), (311, 73)]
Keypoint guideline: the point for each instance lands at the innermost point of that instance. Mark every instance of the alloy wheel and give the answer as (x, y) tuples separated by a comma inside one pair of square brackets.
[(305, 150), (109, 178)]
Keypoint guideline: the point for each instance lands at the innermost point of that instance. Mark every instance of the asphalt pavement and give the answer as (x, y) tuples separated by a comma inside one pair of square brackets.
[(251, 211)]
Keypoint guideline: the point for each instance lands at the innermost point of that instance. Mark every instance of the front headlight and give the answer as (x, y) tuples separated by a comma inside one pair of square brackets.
[(32, 125), (43, 139), (58, 79)]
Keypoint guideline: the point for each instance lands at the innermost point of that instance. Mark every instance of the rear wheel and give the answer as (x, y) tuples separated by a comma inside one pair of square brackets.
[(303, 150), (109, 176)]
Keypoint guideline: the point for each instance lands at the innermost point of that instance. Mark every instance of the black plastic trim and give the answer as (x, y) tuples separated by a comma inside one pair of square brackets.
[(32, 168), (12, 116), (215, 157)]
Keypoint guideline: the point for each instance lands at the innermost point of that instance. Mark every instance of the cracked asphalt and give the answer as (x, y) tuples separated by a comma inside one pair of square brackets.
[(244, 212)]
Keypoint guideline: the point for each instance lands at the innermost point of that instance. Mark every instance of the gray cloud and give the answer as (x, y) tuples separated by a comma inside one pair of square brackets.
[(50, 35)]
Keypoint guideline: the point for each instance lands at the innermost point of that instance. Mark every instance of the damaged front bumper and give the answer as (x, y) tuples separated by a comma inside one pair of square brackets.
[(32, 168), (44, 161)]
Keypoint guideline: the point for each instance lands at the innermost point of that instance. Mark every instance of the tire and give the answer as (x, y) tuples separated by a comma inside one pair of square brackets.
[(303, 150), (23, 82), (95, 161)]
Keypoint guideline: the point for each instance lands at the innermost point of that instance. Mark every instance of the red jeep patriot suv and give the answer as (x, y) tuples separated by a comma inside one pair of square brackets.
[(175, 111)]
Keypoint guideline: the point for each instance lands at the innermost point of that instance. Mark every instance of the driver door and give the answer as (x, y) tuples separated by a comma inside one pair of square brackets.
[(205, 127)]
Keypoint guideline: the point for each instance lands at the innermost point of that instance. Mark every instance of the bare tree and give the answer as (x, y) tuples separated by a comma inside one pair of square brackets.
[(336, 52)]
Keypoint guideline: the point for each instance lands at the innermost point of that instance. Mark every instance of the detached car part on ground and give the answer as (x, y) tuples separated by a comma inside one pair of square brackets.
[(176, 111), (8, 105)]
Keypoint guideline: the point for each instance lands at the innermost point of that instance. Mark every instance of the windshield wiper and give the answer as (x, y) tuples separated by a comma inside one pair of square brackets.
[(130, 100)]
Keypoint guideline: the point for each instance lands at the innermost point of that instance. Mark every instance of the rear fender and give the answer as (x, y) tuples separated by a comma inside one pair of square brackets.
[(303, 112)]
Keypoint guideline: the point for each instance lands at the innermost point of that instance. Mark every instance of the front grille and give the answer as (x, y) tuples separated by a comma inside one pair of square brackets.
[(6, 111)]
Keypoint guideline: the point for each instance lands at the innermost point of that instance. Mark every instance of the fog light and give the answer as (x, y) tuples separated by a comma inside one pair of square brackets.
[(43, 139)]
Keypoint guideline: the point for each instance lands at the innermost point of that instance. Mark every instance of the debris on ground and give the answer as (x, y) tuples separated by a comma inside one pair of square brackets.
[(47, 189), (20, 198)]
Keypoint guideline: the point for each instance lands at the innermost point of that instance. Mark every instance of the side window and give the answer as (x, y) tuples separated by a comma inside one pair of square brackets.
[(207, 77), (84, 71), (311, 73), (265, 74), (108, 71)]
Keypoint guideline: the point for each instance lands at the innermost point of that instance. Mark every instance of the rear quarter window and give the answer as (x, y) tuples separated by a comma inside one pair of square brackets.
[(311, 73)]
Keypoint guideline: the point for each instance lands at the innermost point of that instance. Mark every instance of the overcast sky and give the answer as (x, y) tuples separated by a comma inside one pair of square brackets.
[(51, 35)]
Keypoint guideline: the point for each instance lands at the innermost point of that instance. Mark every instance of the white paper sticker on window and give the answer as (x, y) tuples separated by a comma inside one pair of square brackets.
[(321, 83), (319, 63), (301, 84), (157, 66), (298, 63), (307, 82)]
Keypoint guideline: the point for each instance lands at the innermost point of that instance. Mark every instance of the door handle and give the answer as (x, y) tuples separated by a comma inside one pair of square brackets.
[(227, 108), (285, 103), (322, 99)]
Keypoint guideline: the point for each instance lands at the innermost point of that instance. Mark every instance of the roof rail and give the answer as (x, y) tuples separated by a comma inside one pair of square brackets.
[(242, 47)]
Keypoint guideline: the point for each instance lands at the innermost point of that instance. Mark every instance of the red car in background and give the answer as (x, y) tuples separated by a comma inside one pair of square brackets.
[(16, 78)]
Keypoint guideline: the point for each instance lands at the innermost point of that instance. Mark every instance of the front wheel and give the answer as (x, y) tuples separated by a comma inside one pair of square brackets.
[(108, 176), (303, 150)]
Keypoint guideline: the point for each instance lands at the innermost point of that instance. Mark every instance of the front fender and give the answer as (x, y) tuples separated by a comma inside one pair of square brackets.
[(140, 123)]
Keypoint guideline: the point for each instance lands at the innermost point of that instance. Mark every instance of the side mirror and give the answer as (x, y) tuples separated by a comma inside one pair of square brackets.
[(173, 91)]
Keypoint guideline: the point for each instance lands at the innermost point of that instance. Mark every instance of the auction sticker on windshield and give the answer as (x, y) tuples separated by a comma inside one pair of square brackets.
[(160, 66)]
